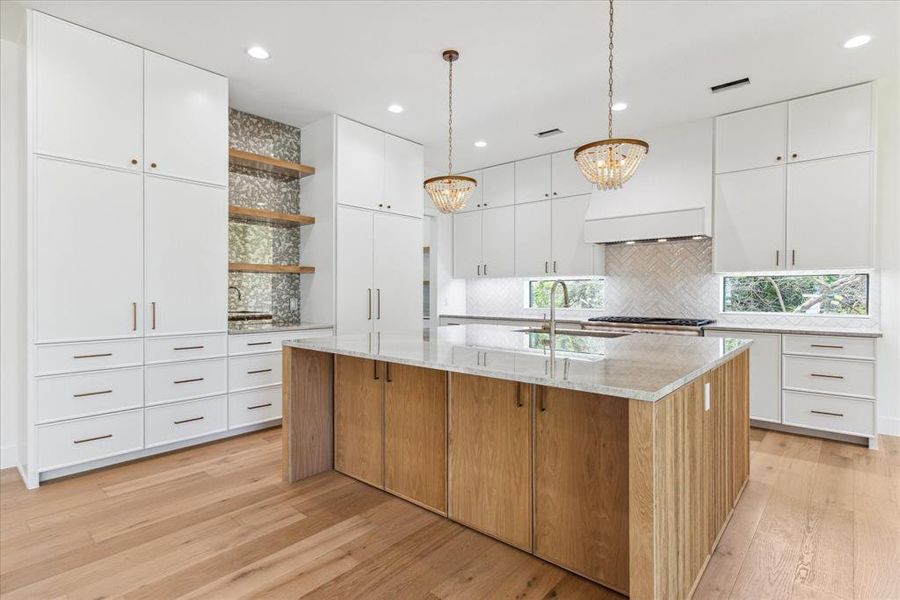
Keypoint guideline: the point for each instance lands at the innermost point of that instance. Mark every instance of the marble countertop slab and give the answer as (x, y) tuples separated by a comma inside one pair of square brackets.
[(639, 366), (867, 333), (250, 327)]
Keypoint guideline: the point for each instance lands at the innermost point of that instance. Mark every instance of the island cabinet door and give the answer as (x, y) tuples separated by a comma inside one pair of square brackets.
[(359, 419), (581, 484), (490, 457), (415, 435)]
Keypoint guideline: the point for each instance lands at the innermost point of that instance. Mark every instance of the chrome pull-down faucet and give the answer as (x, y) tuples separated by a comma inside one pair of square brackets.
[(558, 282)]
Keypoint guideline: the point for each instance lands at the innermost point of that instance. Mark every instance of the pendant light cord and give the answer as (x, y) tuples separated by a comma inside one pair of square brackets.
[(609, 110), (450, 124)]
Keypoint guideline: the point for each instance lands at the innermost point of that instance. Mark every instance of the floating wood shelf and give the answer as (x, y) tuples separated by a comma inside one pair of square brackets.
[(269, 216), (268, 268), (268, 164)]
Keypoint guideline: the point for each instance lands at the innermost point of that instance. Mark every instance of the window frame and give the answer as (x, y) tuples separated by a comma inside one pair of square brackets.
[(526, 291)]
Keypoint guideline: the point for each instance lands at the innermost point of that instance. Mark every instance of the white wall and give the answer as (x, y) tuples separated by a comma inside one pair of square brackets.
[(12, 229)]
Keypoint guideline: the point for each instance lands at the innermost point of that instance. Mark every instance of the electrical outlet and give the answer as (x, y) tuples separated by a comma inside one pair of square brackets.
[(706, 396), (293, 305)]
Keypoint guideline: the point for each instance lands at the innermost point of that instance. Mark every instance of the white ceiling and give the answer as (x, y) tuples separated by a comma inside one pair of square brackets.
[(524, 66)]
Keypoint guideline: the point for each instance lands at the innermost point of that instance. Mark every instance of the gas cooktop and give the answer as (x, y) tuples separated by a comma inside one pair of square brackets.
[(653, 321)]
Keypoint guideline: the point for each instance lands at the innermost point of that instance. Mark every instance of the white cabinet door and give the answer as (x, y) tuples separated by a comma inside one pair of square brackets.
[(87, 252), (571, 255), (398, 273), (765, 372), (404, 172), (360, 165), (533, 249), (185, 121), (186, 257), (498, 247), (533, 179), (751, 138), (829, 213), (831, 124), (749, 220), (88, 95), (498, 185), (355, 293), (467, 253), (474, 202), (566, 176)]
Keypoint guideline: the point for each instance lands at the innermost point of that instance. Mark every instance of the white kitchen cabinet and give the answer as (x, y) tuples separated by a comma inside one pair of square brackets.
[(830, 213), (498, 242), (533, 179), (751, 138), (474, 201), (532, 235), (830, 124), (404, 168), (360, 164), (467, 250), (570, 254), (185, 121), (88, 95), (397, 255), (749, 220), (566, 177), (765, 372), (498, 186), (186, 254), (354, 296), (88, 253)]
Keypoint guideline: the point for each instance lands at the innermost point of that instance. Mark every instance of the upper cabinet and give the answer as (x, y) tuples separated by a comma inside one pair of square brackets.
[(751, 139), (101, 80), (566, 177), (533, 179), (185, 121), (404, 166), (498, 186), (831, 124)]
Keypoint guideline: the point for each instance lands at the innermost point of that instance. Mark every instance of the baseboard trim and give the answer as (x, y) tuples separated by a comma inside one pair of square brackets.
[(889, 426), (9, 457), (828, 435)]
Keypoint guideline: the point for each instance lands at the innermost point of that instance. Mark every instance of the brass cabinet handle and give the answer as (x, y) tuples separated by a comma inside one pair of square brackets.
[(153, 165), (93, 439), (258, 343), (86, 394), (794, 155), (258, 371), (777, 158), (541, 404), (554, 266), (485, 270), (793, 257), (134, 161), (153, 315), (826, 346), (825, 412), (546, 266), (188, 347), (378, 290), (826, 376), (777, 257), (259, 406), (92, 355), (134, 316), (195, 379), (387, 372), (370, 304), (479, 270), (188, 420), (518, 395), (375, 370)]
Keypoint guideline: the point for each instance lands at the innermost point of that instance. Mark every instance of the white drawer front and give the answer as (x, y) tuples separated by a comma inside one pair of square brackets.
[(181, 381), (88, 356), (829, 413), (830, 375), (92, 438), (185, 420), (254, 406), (254, 343), (839, 347), (255, 370), (69, 396), (188, 347)]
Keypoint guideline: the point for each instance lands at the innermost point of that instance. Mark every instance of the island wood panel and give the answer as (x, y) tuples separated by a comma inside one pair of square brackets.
[(687, 468), (581, 484), (415, 435), (490, 457), (308, 418), (359, 419)]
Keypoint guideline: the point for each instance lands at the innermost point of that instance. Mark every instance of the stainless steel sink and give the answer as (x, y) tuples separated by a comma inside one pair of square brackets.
[(584, 332)]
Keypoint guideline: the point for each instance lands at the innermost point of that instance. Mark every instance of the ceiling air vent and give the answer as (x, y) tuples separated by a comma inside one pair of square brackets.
[(549, 132), (722, 87)]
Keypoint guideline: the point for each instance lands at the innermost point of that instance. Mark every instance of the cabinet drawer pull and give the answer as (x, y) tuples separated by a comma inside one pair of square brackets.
[(188, 420), (258, 343), (259, 406), (370, 305), (826, 346), (825, 412), (826, 376), (93, 439), (546, 266), (93, 355), (258, 371), (189, 348), (793, 257), (86, 394), (479, 270), (777, 257), (195, 379), (554, 266)]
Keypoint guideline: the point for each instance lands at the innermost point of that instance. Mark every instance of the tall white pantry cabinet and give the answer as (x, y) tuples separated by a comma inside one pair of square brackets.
[(128, 174)]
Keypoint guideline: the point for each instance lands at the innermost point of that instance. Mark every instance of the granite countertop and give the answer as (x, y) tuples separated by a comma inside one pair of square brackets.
[(251, 327), (867, 333), (639, 366)]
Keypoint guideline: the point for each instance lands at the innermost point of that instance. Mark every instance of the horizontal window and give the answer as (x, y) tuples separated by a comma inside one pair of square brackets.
[(583, 293), (846, 294)]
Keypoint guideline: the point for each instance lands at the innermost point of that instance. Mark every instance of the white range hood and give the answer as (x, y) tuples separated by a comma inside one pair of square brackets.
[(669, 197)]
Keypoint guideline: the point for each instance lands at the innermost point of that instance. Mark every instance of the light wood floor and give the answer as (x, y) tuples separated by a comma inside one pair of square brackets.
[(818, 519)]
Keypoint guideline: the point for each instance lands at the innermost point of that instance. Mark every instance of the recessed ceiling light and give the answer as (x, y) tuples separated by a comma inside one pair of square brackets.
[(620, 106), (480, 144), (395, 108), (258, 52), (857, 41)]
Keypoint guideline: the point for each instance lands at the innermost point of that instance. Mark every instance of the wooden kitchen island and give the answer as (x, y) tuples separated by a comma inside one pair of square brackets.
[(619, 459)]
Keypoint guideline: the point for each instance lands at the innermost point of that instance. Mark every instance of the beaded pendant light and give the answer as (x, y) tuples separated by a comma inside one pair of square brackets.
[(609, 163), (450, 192)]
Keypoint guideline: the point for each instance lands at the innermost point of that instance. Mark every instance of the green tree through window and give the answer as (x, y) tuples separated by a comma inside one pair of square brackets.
[(798, 294), (583, 293)]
